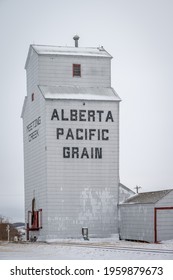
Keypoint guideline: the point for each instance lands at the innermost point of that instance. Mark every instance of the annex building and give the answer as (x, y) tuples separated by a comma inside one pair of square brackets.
[(147, 216), (71, 143)]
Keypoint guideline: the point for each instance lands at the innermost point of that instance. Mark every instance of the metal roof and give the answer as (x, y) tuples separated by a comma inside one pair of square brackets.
[(58, 50), (126, 188), (76, 92), (147, 197), (70, 51)]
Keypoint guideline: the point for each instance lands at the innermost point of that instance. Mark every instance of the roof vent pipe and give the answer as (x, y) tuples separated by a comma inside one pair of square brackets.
[(76, 38)]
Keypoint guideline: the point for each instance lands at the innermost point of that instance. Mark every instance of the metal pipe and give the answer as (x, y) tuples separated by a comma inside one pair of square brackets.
[(76, 39)]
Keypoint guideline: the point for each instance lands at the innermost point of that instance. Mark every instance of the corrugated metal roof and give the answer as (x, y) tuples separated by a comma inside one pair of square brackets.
[(57, 50), (147, 197), (75, 92)]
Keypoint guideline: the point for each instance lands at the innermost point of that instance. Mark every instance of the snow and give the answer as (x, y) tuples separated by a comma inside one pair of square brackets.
[(75, 92), (59, 50), (94, 249), (79, 96)]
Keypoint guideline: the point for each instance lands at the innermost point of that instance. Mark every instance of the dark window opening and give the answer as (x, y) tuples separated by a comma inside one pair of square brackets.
[(76, 70), (32, 97)]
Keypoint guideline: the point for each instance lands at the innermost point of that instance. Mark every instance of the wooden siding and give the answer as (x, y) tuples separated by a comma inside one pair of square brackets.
[(164, 224), (35, 159), (148, 222), (34, 149), (32, 73), (166, 201), (124, 193), (137, 222), (58, 70), (73, 192), (82, 192)]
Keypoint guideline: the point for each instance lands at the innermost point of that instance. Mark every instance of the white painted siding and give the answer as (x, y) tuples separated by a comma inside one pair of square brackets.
[(35, 158), (82, 192), (57, 70), (137, 222), (165, 218), (73, 192), (166, 201), (164, 224), (32, 73), (34, 149), (124, 193)]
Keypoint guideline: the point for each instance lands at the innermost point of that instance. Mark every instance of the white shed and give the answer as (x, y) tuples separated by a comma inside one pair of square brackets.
[(71, 143), (147, 216)]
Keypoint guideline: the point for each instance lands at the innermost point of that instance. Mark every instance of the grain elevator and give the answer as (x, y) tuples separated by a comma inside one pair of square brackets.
[(71, 143)]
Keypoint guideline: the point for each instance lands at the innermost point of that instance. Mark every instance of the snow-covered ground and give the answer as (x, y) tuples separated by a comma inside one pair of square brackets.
[(96, 249)]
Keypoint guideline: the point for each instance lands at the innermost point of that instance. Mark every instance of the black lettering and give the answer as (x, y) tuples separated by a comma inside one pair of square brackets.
[(100, 115), (69, 134), (91, 115), (98, 134), (37, 271), (98, 152), (62, 116), (33, 135), (66, 152), (59, 131), (86, 134), (91, 133), (77, 134), (12, 271), (73, 115), (103, 134), (33, 124), (55, 115), (67, 271), (56, 272), (29, 127), (109, 116), (39, 120), (75, 152), (92, 153), (82, 115), (84, 153)]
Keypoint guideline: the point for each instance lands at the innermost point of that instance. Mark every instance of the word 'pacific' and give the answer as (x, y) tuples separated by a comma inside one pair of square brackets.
[(82, 134)]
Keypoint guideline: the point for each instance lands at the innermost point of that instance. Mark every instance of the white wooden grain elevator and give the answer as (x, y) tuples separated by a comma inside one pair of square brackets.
[(71, 143)]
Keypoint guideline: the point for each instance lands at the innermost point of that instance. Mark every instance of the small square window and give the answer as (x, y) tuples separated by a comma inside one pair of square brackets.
[(76, 70)]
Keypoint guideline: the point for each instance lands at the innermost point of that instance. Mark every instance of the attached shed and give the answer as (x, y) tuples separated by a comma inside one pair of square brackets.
[(147, 216)]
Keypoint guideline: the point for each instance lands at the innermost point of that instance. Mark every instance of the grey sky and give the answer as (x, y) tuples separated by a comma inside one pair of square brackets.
[(138, 34)]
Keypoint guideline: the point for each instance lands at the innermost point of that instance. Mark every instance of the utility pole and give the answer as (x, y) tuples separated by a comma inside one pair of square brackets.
[(8, 230), (137, 189)]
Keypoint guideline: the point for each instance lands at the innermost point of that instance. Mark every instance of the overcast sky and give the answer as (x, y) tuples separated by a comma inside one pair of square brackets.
[(139, 36)]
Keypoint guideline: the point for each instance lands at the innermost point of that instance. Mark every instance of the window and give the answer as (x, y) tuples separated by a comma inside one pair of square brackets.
[(32, 97), (76, 70)]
